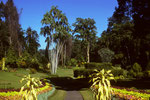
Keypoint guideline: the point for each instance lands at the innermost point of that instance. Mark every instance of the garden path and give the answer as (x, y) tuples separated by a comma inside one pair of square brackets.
[(73, 95)]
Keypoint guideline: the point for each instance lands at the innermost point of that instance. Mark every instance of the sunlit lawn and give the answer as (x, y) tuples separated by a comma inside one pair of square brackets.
[(58, 95), (64, 72), (87, 94), (11, 79)]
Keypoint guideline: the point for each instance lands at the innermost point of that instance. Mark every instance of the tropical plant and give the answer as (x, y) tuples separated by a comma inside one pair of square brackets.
[(2, 64), (101, 84), (31, 83)]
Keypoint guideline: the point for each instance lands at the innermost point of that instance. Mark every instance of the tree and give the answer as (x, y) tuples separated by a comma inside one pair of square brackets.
[(56, 27), (106, 54), (56, 30), (32, 41), (85, 30), (4, 44), (138, 11), (12, 21)]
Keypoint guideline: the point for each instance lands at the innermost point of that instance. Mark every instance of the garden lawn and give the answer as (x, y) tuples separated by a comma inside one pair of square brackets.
[(11, 79), (58, 95), (64, 72), (87, 94)]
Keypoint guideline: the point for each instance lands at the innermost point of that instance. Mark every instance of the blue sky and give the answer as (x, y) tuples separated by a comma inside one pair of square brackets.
[(33, 11)]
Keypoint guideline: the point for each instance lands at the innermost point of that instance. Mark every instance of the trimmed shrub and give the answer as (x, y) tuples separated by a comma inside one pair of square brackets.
[(100, 66), (83, 72), (136, 71), (118, 71)]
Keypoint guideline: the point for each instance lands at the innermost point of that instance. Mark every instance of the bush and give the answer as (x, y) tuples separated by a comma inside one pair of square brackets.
[(106, 66), (72, 62), (136, 71), (118, 71), (147, 74), (106, 54), (83, 72), (11, 58), (148, 66), (33, 71)]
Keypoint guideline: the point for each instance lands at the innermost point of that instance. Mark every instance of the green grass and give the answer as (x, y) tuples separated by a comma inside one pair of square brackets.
[(87, 94), (64, 72), (11, 79), (58, 95)]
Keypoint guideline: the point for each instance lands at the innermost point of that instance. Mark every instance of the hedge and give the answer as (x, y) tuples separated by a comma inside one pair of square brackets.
[(83, 72), (100, 66)]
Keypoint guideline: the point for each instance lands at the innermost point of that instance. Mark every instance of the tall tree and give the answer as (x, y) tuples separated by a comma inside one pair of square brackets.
[(12, 21), (55, 28), (85, 29), (4, 44), (32, 41)]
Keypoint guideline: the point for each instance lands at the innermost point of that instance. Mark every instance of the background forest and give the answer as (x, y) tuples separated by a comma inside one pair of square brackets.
[(125, 43)]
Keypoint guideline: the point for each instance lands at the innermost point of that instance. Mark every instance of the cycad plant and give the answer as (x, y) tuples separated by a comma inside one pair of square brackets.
[(31, 83), (101, 84), (2, 64)]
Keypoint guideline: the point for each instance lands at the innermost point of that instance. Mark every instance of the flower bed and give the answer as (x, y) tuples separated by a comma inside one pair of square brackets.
[(14, 95), (130, 94)]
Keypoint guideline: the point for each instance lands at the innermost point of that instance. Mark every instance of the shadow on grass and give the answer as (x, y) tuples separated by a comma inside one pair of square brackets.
[(69, 84)]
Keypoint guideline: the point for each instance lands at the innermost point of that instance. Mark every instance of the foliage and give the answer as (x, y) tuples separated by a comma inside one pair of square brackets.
[(85, 30), (72, 62), (56, 27), (84, 73), (118, 71), (31, 83), (2, 64), (101, 84), (32, 41), (148, 66), (15, 95), (136, 71), (106, 54), (131, 95), (33, 71), (93, 65), (11, 58)]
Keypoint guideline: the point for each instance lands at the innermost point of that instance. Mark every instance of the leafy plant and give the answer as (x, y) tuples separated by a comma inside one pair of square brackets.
[(136, 71), (33, 71), (101, 84), (2, 64), (106, 54), (31, 83), (129, 94)]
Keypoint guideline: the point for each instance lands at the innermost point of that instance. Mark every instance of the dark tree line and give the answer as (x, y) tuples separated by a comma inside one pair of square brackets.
[(12, 36), (126, 40), (128, 33)]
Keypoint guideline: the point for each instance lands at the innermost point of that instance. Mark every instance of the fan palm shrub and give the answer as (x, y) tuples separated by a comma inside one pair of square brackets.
[(101, 84), (31, 92)]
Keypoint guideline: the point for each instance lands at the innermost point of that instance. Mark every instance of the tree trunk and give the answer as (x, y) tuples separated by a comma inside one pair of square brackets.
[(62, 56), (65, 55), (88, 52)]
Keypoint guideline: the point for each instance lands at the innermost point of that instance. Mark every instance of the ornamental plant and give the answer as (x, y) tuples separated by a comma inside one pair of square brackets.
[(2, 64), (31, 83), (101, 84)]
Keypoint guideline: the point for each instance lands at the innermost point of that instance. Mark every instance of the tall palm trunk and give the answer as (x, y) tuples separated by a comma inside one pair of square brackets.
[(88, 52)]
